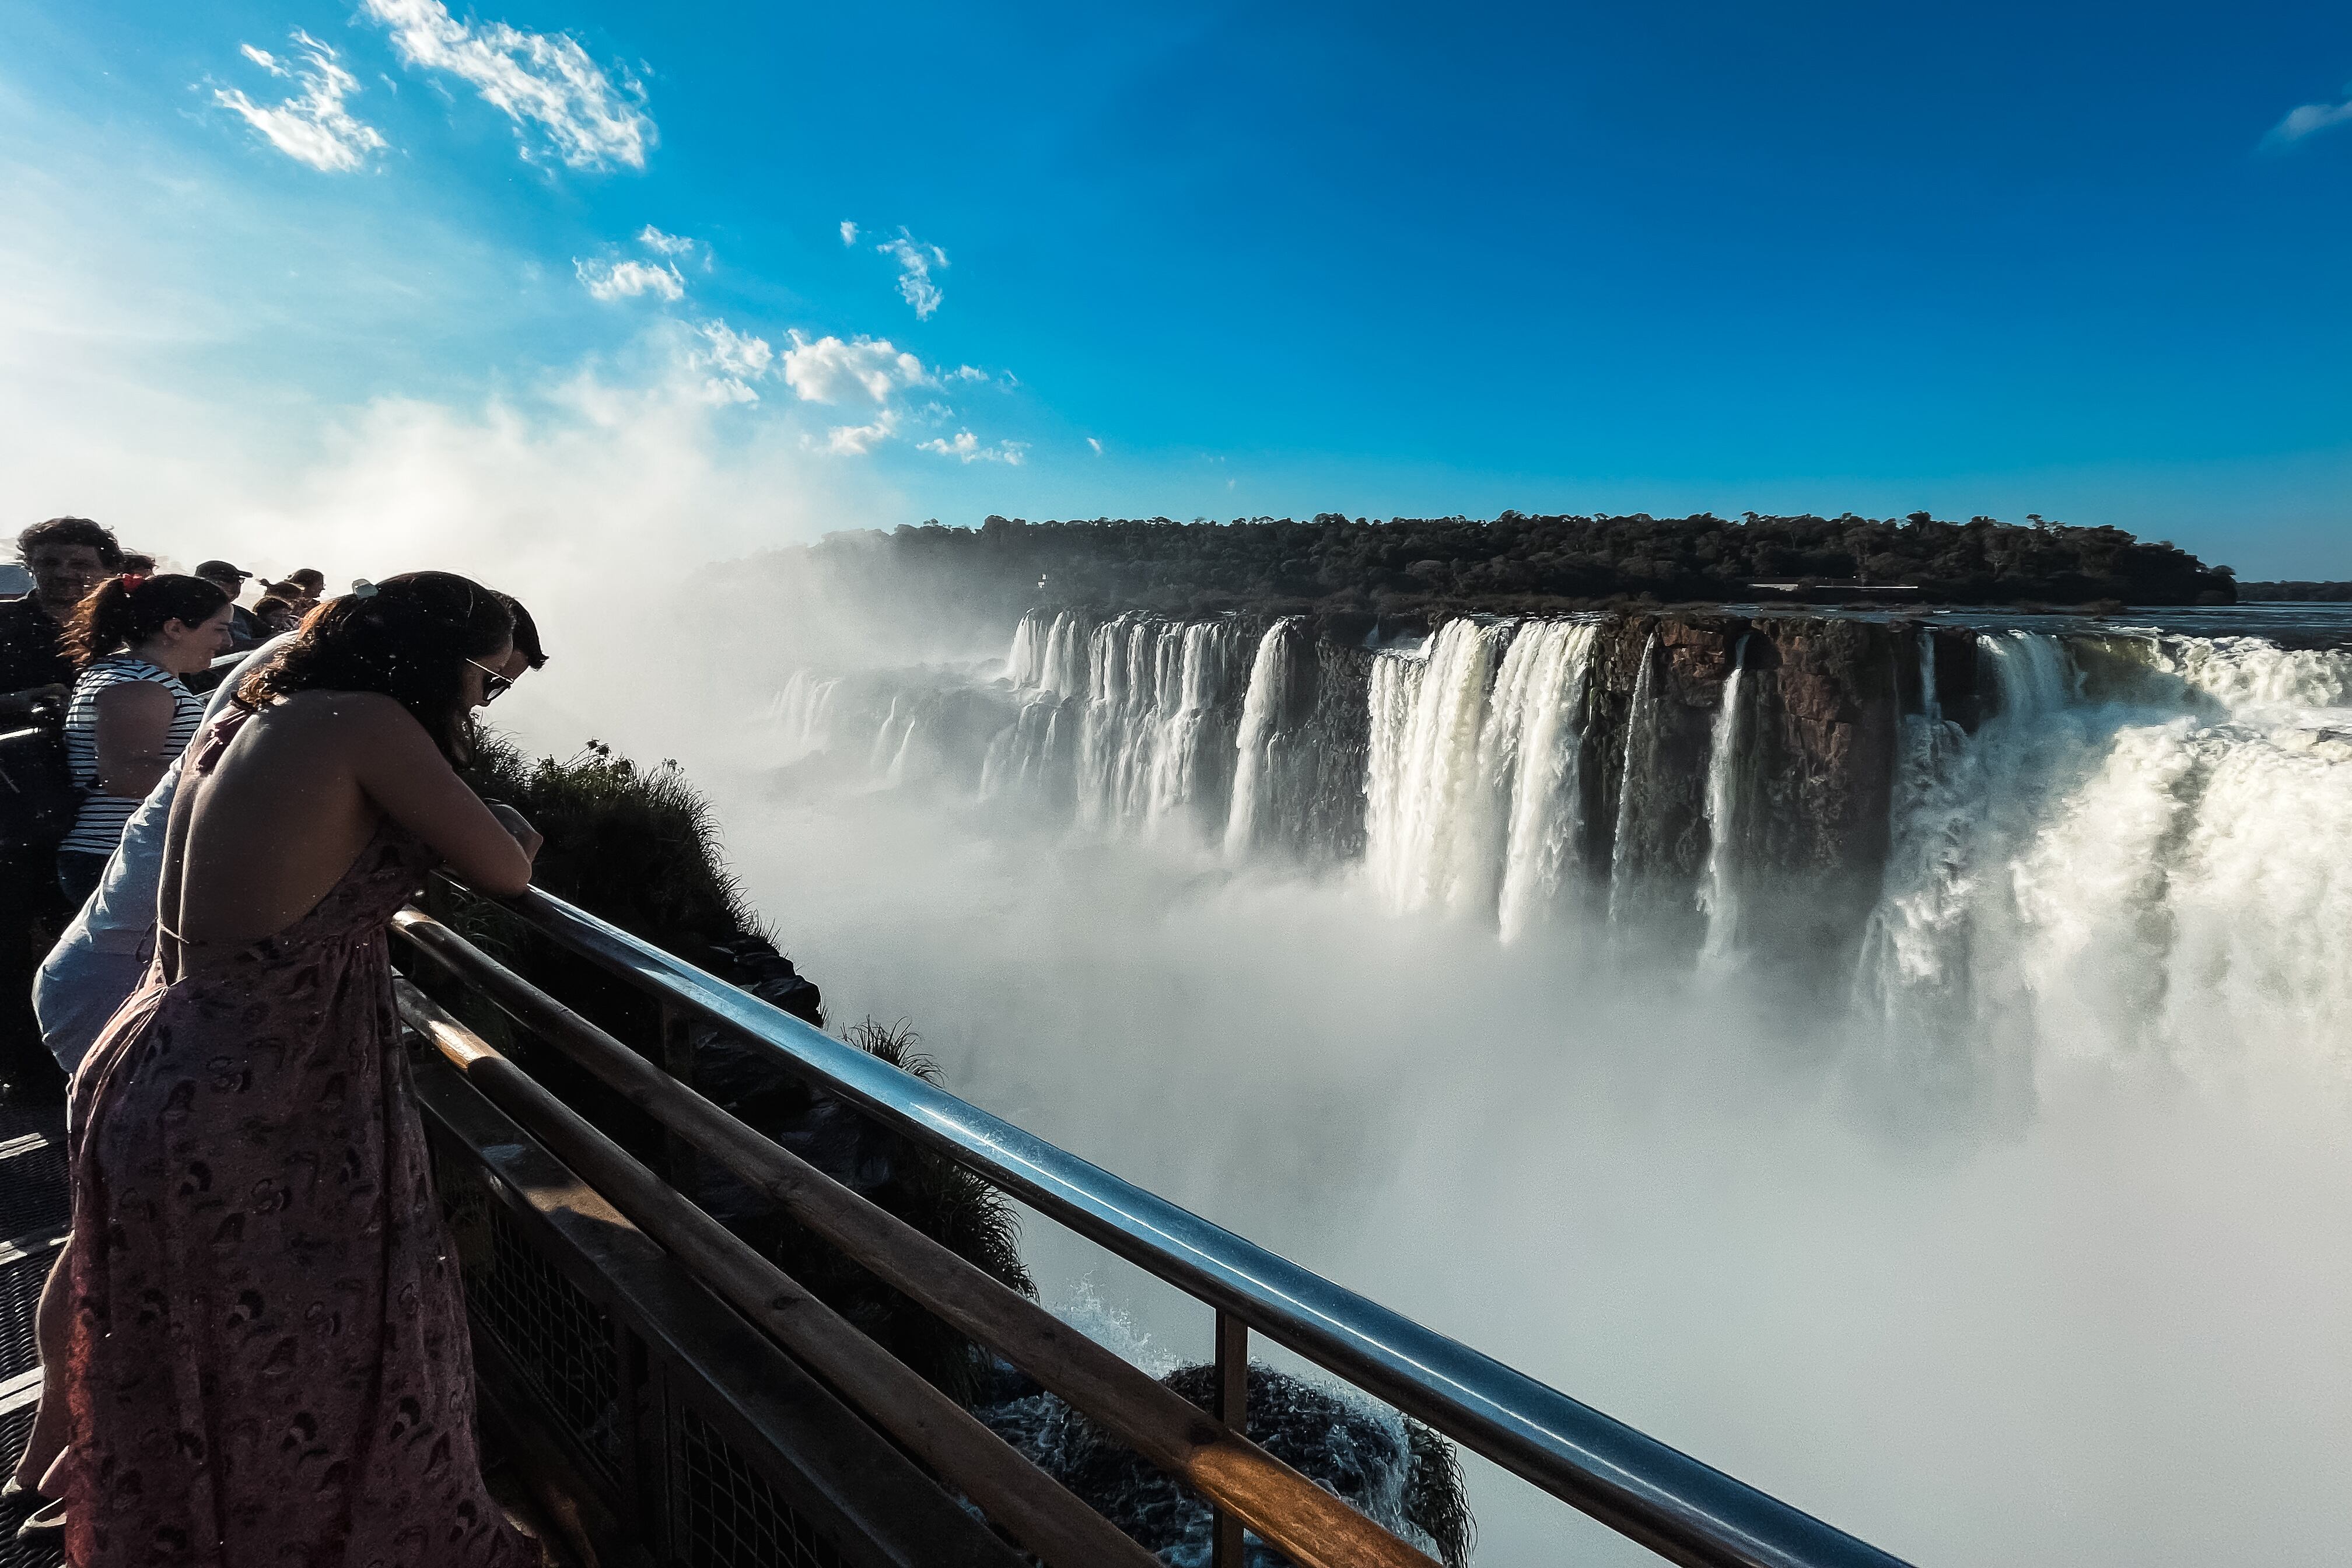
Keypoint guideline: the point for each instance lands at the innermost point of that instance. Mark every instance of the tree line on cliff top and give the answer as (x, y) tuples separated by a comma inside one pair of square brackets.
[(1515, 563)]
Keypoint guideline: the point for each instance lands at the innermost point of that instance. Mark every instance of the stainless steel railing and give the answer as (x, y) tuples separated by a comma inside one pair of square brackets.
[(1684, 1511)]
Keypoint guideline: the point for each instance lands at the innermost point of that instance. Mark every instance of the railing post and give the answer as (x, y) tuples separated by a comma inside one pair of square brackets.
[(677, 1060), (1233, 1409)]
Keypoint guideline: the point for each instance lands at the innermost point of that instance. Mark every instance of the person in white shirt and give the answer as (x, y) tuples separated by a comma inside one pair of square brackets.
[(103, 953)]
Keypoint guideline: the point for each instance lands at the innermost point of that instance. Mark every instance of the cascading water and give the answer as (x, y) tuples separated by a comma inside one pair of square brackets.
[(1627, 869), (1269, 698), (803, 712), (1728, 755), (1536, 754), (1428, 816), (2136, 848), (2122, 845), (1150, 751), (2167, 870)]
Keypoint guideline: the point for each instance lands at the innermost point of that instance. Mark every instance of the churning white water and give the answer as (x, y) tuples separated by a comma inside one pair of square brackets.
[(1429, 808), (1152, 754), (1532, 751), (1718, 896), (1270, 697), (2017, 1239), (2164, 870), (2142, 845)]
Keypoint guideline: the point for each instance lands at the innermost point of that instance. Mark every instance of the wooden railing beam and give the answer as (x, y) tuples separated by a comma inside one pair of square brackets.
[(1036, 1509), (1286, 1508)]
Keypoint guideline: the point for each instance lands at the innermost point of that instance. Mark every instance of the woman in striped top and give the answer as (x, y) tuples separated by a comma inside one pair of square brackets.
[(130, 714)]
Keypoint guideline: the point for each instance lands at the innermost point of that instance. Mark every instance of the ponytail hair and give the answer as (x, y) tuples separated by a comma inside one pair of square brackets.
[(408, 637), (123, 612)]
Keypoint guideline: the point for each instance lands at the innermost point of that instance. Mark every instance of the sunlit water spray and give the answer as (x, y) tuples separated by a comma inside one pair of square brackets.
[(2054, 1169)]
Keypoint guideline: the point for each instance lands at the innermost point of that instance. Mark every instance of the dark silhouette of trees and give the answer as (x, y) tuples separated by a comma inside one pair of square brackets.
[(1332, 564), (2306, 592)]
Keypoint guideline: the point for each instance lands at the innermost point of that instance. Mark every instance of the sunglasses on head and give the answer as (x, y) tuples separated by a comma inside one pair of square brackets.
[(493, 682)]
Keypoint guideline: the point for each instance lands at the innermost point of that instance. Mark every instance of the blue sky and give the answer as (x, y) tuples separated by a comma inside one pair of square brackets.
[(2085, 261)]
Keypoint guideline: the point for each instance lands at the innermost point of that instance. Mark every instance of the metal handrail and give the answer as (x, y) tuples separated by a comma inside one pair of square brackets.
[(1312, 1527), (1682, 1509)]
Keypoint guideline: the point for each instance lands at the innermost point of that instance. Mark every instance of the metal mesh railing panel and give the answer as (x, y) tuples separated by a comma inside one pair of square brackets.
[(554, 1333), (14, 1426), (728, 1516), (33, 1198), (20, 1295)]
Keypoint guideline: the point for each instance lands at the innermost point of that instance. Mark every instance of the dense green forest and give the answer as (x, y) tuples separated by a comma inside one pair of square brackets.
[(1422, 566)]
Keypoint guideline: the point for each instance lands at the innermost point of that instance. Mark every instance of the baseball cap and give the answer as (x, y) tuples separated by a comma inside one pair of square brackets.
[(220, 569)]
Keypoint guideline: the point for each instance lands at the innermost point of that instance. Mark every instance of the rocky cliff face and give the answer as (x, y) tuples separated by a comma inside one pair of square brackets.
[(1815, 743)]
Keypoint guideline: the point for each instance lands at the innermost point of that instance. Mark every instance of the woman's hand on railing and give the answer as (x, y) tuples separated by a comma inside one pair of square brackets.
[(531, 839)]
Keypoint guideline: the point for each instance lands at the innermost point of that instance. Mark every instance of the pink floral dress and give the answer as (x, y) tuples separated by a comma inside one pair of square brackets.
[(270, 1365)]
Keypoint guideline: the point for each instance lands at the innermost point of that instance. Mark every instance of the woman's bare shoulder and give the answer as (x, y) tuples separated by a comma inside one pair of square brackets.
[(352, 719)]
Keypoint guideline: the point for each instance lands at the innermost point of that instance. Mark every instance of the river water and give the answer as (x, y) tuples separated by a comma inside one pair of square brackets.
[(2013, 1231)]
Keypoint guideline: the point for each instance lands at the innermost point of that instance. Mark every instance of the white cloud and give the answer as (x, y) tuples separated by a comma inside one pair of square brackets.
[(655, 240), (916, 261), (312, 127), (2306, 121), (966, 447), (539, 78), (967, 372), (735, 361), (610, 281), (857, 440), (1096, 442), (828, 370), (848, 232)]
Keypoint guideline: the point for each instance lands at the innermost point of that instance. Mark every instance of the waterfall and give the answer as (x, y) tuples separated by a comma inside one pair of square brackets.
[(1727, 758), (1127, 718), (1625, 862), (803, 712), (1059, 654), (1538, 727), (2245, 674), (1269, 698), (2167, 870), (2144, 845), (1932, 973), (1026, 662), (1427, 819)]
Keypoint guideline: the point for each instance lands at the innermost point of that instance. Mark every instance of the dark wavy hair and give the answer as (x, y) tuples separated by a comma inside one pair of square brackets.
[(409, 638), (123, 612), (72, 530)]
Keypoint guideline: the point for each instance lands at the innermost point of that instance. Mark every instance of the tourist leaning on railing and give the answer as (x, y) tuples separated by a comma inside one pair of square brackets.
[(99, 961), (130, 714), (304, 817)]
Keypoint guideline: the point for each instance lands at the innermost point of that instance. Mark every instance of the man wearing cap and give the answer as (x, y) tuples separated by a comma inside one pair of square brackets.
[(230, 580)]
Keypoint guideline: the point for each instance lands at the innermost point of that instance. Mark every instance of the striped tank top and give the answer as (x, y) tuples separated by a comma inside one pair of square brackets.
[(98, 827)]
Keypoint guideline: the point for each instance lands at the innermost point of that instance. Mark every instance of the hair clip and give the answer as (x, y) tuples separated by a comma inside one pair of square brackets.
[(362, 589)]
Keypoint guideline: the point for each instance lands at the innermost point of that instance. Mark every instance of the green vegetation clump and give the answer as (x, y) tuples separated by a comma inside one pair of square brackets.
[(638, 847), (936, 1196)]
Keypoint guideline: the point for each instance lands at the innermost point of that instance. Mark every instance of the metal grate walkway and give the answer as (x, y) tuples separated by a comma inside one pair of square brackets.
[(33, 1210)]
